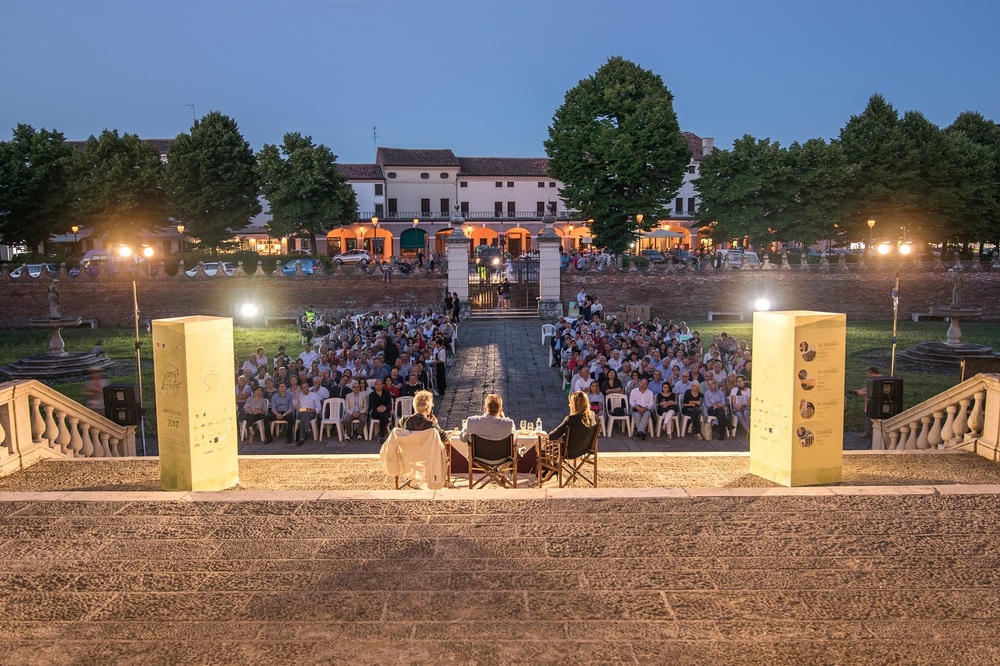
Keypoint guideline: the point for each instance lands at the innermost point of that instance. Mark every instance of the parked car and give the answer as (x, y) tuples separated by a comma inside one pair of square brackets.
[(350, 257), (212, 268), (95, 261), (739, 257), (35, 270), (654, 256), (308, 266), (681, 256)]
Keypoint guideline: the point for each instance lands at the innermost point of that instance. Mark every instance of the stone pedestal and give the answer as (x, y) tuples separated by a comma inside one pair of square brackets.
[(457, 251), (797, 407), (550, 304), (195, 403)]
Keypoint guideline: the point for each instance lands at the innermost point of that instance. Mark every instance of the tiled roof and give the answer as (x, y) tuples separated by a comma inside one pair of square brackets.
[(694, 143), (360, 171), (415, 157), (529, 167)]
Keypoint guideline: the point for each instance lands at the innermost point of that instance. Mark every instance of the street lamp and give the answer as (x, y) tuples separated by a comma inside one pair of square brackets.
[(125, 252), (903, 249), (180, 232), (374, 233), (871, 226), (75, 229)]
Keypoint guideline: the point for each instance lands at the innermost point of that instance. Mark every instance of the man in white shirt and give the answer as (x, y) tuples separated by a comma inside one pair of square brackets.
[(642, 401), (309, 409), (581, 382), (355, 411), (308, 356)]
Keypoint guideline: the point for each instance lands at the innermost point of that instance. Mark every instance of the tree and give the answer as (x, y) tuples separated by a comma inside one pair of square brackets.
[(34, 176), (116, 186), (981, 209), (304, 188), (211, 180), (883, 170), (819, 176), (745, 192), (617, 148)]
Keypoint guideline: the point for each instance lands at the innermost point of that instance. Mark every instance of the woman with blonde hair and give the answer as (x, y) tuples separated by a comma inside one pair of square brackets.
[(580, 423)]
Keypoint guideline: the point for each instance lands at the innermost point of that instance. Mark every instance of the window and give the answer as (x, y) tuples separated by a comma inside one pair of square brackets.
[(391, 174), (498, 209), (425, 176), (464, 207), (691, 205), (392, 207), (511, 208), (379, 210), (679, 205), (444, 176), (541, 184), (540, 208), (691, 168), (499, 183), (378, 189), (552, 184), (445, 205), (425, 206), (510, 183), (463, 184)]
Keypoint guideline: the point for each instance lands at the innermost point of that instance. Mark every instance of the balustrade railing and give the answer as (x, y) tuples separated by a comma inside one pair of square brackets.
[(965, 416), (37, 422)]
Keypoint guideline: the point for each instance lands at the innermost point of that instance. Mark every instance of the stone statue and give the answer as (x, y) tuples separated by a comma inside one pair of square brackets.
[(956, 288), (54, 300)]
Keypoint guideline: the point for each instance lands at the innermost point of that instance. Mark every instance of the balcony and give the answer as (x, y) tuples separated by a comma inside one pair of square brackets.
[(471, 216)]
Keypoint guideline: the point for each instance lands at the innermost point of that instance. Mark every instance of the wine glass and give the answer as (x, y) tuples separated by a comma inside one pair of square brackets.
[(524, 424), (531, 426)]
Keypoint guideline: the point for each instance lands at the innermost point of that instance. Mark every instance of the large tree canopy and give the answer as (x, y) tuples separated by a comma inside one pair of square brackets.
[(304, 188), (34, 175), (116, 185), (211, 180), (617, 148)]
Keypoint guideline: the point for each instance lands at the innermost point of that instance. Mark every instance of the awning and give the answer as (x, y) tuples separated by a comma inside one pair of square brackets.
[(662, 233), (413, 239)]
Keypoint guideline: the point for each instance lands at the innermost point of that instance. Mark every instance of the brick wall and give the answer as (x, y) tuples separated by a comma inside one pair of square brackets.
[(860, 295)]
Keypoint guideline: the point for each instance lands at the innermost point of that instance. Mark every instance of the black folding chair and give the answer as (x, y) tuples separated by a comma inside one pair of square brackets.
[(496, 459)]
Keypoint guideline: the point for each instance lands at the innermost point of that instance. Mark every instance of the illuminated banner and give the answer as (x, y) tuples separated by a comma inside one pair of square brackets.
[(797, 397), (195, 403)]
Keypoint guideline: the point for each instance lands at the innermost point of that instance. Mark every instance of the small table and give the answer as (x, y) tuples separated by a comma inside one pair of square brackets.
[(527, 441)]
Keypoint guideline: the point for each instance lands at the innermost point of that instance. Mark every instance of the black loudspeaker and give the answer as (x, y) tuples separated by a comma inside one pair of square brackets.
[(121, 404), (885, 397)]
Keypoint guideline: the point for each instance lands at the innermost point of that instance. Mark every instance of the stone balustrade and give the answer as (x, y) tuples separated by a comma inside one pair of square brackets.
[(966, 416), (37, 423)]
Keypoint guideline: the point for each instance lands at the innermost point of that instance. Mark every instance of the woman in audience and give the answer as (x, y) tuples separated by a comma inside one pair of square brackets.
[(692, 408), (596, 398), (666, 403), (611, 383)]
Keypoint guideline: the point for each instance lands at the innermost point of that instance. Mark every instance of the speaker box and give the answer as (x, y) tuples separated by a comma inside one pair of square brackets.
[(885, 397), (121, 403)]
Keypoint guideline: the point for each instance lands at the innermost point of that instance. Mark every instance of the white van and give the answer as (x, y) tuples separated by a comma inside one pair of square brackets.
[(96, 260), (739, 257)]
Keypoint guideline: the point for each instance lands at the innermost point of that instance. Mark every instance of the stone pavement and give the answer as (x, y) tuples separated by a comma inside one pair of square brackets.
[(801, 577)]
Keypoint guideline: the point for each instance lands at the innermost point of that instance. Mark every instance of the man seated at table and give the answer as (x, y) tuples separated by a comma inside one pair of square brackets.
[(491, 424)]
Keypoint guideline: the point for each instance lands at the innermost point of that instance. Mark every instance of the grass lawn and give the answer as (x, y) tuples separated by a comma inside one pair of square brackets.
[(868, 344)]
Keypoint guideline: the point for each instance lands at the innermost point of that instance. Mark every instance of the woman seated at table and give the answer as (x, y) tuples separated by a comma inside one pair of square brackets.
[(580, 423), (422, 418)]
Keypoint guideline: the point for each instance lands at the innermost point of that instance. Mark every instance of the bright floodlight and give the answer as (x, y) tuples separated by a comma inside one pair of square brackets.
[(762, 305), (905, 248), (124, 251), (496, 261), (884, 248), (147, 252), (249, 310)]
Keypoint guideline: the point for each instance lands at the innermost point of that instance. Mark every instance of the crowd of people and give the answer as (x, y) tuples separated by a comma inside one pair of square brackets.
[(659, 367), (368, 360)]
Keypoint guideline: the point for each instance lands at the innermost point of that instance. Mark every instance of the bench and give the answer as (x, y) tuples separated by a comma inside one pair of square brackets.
[(725, 316), (89, 322), (917, 316)]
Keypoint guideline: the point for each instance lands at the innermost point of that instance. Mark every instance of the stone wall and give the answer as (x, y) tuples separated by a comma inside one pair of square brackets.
[(862, 295)]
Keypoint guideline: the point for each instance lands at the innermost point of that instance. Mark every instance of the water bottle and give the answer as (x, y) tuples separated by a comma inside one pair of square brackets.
[(538, 424)]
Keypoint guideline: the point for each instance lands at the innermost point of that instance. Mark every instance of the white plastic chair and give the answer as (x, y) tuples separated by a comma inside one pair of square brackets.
[(260, 424), (611, 402), (548, 332), (333, 417), (315, 429), (730, 428), (401, 408)]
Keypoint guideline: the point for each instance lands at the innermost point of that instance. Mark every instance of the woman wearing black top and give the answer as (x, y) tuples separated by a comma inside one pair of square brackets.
[(611, 383), (666, 403), (580, 423), (692, 408)]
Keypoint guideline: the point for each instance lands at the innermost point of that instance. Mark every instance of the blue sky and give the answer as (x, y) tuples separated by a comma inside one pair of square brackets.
[(480, 77)]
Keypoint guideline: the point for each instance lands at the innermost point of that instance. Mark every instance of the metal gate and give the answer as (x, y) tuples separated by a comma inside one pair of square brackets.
[(486, 277)]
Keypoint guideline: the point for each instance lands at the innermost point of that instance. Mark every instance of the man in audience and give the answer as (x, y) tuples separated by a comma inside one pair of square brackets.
[(355, 412), (380, 407), (714, 404), (642, 401), (282, 409)]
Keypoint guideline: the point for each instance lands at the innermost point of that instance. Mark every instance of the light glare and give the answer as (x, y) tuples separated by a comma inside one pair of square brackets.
[(762, 305), (249, 310)]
